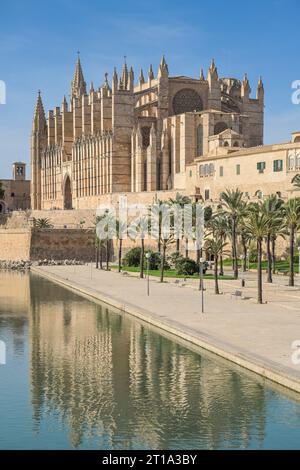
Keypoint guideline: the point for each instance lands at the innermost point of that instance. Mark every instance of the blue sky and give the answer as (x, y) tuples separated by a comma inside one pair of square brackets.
[(39, 40)]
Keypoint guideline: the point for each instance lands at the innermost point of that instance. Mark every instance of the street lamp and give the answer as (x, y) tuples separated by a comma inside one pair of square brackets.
[(147, 255), (201, 260)]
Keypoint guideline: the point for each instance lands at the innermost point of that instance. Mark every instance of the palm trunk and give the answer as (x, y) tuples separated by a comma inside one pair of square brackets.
[(97, 254), (186, 248), (162, 264), (107, 254), (245, 255), (292, 236), (269, 255), (234, 250), (221, 265), (101, 257), (273, 255), (216, 276), (177, 245), (142, 258), (120, 255), (259, 271)]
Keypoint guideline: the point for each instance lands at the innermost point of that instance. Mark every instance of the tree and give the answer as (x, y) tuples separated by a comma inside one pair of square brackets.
[(219, 229), (232, 202), (296, 181), (291, 210), (139, 229), (272, 207), (167, 238), (99, 245), (42, 223), (121, 232), (181, 201), (216, 247), (257, 224)]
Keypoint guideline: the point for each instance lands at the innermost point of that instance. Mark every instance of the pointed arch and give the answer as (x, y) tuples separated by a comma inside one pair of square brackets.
[(67, 193)]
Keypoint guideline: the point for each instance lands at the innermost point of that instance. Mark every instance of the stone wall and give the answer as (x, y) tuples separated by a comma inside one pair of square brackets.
[(58, 244), (15, 244)]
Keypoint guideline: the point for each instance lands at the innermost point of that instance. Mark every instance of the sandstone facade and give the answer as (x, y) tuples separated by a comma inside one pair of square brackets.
[(137, 138)]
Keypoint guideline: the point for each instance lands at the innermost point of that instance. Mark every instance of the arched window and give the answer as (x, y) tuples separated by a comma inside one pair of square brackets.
[(201, 170), (297, 139), (291, 162), (206, 169), (220, 127), (298, 161), (211, 169), (226, 144), (200, 140), (236, 144)]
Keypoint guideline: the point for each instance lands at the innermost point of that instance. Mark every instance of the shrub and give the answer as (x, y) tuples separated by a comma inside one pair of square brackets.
[(186, 266), (173, 257), (132, 257), (155, 260)]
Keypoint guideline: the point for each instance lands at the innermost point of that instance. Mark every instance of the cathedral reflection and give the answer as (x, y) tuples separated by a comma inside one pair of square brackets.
[(116, 383)]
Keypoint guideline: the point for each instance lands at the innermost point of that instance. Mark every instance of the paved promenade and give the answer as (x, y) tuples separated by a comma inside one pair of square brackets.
[(258, 337)]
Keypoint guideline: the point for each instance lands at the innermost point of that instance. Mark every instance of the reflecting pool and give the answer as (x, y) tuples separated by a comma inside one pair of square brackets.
[(79, 375)]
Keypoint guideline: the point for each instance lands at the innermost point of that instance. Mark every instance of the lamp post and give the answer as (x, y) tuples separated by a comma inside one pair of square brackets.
[(147, 255), (201, 284)]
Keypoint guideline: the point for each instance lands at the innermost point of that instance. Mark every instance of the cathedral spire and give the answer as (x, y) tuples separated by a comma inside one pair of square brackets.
[(246, 90), (131, 79), (260, 90), (141, 77), (115, 80), (202, 75), (124, 79), (163, 68), (212, 71), (78, 87), (39, 118), (150, 73)]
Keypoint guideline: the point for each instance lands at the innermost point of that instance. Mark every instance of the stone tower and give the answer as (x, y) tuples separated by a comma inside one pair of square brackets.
[(38, 142)]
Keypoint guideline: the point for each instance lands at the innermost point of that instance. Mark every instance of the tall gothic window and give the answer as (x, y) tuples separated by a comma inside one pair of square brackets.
[(200, 140)]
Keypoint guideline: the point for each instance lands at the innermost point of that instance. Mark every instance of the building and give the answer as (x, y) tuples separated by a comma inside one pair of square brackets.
[(139, 138), (16, 190)]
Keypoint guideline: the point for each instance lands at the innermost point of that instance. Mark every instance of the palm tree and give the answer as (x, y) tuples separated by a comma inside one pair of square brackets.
[(216, 247), (296, 181), (257, 224), (139, 229), (291, 211), (167, 238), (121, 228), (181, 201), (232, 201), (42, 223), (272, 207), (219, 227)]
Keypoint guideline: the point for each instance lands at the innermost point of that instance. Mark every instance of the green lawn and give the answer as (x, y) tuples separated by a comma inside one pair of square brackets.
[(281, 266), (169, 273)]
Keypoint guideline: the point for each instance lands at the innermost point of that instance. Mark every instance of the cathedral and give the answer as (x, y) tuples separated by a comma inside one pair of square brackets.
[(139, 136)]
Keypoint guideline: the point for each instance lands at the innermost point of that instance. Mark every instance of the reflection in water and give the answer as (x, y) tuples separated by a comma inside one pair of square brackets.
[(104, 380)]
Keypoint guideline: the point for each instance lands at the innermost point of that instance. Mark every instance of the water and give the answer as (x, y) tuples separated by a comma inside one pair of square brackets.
[(81, 376)]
